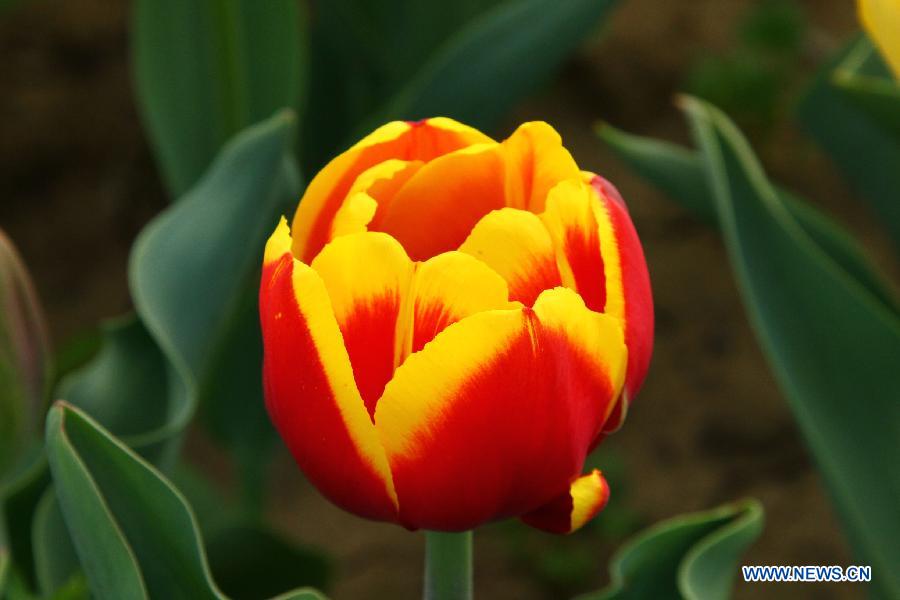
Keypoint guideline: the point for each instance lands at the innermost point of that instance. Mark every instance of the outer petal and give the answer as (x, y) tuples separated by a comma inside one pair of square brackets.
[(494, 417), (515, 244), (535, 162), (636, 295), (424, 140), (388, 307), (310, 391), (881, 19), (367, 276), (571, 510)]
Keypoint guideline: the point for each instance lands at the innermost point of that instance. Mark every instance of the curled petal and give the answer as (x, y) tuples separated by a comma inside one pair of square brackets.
[(571, 510), (495, 415), (310, 390), (421, 141)]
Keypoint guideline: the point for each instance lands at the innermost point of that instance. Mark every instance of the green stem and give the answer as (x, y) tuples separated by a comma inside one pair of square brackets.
[(448, 566)]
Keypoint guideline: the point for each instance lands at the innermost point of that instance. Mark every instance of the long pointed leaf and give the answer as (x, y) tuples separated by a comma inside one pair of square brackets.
[(833, 347)]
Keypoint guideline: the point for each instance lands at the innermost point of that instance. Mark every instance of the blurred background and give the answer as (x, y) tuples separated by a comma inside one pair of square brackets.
[(78, 182)]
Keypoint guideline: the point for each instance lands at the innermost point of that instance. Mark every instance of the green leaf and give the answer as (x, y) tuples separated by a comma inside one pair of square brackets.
[(191, 271), (133, 531), (486, 67), (832, 345), (250, 562), (18, 499), (864, 149), (56, 563), (679, 172), (693, 556), (878, 97), (207, 69)]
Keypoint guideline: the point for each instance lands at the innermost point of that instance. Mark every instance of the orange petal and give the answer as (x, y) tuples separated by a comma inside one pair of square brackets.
[(495, 415), (421, 141), (584, 499), (310, 391), (515, 244), (439, 205)]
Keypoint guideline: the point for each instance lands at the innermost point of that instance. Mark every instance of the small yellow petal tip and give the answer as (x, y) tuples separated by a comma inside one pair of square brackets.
[(279, 242)]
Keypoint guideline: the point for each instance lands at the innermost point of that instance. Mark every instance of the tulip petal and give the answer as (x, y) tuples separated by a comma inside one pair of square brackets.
[(495, 415), (570, 511), (535, 162), (881, 20), (635, 294), (515, 244), (587, 259), (446, 289), (421, 141), (439, 205), (367, 276), (310, 389)]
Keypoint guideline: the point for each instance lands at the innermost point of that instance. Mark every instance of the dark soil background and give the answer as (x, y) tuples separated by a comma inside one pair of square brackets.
[(77, 182)]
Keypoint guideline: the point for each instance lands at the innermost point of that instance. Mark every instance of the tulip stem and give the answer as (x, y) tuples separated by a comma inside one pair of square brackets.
[(448, 565)]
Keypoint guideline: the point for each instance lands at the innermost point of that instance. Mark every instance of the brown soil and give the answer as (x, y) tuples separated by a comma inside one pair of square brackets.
[(710, 426)]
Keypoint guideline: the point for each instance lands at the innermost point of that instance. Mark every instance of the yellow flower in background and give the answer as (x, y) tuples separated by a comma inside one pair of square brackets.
[(881, 20)]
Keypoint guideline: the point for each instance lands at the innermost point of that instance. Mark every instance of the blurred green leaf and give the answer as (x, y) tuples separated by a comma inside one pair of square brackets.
[(190, 271), (832, 344), (865, 151), (877, 97), (250, 562), (19, 497), (133, 531), (207, 69), (679, 172), (693, 556), (471, 60), (25, 363), (56, 563), (504, 54), (194, 274)]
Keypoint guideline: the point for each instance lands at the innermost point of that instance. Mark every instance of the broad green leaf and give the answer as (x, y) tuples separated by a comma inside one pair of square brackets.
[(832, 345), (194, 274), (134, 533), (504, 54), (679, 173), (864, 150), (250, 562), (694, 557), (471, 60), (191, 270), (207, 69)]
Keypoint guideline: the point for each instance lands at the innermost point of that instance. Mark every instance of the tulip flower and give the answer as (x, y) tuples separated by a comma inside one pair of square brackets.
[(881, 20), (451, 324)]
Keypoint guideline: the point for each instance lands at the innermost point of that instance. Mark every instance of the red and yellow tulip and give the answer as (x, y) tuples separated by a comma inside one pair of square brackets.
[(451, 324)]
